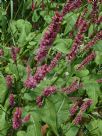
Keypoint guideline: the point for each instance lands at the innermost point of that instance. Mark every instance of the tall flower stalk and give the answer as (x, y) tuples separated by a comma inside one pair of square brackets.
[(71, 5), (49, 37)]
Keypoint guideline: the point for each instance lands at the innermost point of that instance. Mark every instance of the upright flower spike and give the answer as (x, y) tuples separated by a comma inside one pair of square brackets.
[(77, 119), (1, 52), (26, 118), (9, 81), (90, 44), (17, 121), (33, 5), (86, 105), (95, 10), (14, 52), (74, 109), (99, 20), (30, 82), (39, 101), (40, 73), (12, 100), (49, 90), (49, 37), (72, 88), (99, 80), (77, 41), (54, 62), (71, 5), (89, 58)]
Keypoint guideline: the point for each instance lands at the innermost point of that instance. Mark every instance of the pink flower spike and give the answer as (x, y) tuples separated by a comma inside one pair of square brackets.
[(11, 100), (17, 121), (49, 37), (54, 62), (77, 119), (74, 109), (71, 5), (86, 105), (49, 90), (26, 118), (9, 81), (39, 101), (89, 58)]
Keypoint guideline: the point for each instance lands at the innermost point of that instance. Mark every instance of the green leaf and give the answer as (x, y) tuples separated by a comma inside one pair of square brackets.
[(35, 16), (70, 23), (61, 105), (82, 73), (3, 88), (98, 46), (98, 58), (91, 29), (34, 129), (62, 45), (72, 131), (48, 115), (93, 90), (95, 127), (21, 133), (3, 121)]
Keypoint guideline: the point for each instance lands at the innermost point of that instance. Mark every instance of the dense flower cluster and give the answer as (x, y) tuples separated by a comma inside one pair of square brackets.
[(12, 100), (89, 58), (45, 93), (30, 82), (71, 5), (1, 52), (78, 40), (9, 81), (17, 121), (49, 90), (72, 88), (97, 37), (17, 118), (77, 119), (14, 52), (54, 62), (49, 36), (74, 109), (80, 19), (94, 13), (85, 105), (83, 108), (26, 118), (39, 101), (40, 73), (99, 80)]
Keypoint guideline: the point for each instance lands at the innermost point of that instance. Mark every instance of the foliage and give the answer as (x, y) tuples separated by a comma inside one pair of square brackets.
[(23, 24)]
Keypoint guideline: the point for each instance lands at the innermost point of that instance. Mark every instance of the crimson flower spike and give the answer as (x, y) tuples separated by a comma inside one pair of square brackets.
[(99, 80), (54, 62), (77, 41), (94, 13), (17, 121), (72, 88), (12, 100), (77, 119), (89, 58), (70, 6), (49, 37), (86, 105), (49, 90), (83, 108), (90, 44), (74, 109)]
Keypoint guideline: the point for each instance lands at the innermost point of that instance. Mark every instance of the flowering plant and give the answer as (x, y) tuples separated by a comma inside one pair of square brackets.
[(51, 68)]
